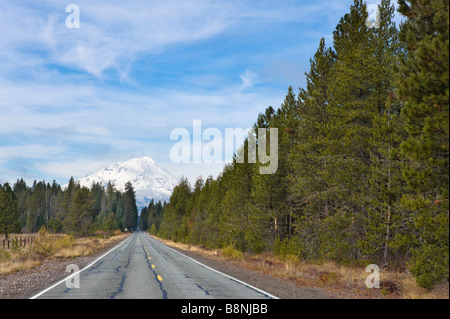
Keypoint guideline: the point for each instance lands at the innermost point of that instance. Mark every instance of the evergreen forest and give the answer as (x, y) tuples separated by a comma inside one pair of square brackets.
[(363, 162), (363, 154)]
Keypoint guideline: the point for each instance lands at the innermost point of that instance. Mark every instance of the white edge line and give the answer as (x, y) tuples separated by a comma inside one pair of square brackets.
[(79, 271), (239, 281)]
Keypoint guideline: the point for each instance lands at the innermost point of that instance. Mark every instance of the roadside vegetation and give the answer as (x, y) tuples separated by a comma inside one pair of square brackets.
[(348, 281)]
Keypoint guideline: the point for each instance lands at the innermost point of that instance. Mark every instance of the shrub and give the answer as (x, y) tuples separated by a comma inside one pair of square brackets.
[(153, 230), (232, 253), (430, 265), (48, 245), (289, 249), (4, 255)]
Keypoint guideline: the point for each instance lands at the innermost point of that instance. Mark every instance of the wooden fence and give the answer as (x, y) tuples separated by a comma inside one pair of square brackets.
[(20, 241)]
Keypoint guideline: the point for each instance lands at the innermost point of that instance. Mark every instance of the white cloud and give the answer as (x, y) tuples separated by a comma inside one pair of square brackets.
[(110, 35), (56, 97), (77, 168), (35, 151)]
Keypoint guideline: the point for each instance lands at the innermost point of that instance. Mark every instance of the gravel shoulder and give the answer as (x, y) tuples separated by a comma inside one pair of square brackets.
[(25, 284)]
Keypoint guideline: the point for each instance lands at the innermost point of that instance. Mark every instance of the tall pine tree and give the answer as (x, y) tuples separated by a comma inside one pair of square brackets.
[(423, 84), (9, 211), (309, 191), (130, 208)]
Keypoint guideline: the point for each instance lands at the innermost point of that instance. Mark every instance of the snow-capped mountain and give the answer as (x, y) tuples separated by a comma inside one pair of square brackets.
[(148, 178)]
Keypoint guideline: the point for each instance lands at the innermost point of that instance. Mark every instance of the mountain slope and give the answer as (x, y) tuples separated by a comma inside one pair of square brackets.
[(148, 178)]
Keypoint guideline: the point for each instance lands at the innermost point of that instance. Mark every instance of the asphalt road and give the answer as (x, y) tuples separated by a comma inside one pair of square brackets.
[(140, 267)]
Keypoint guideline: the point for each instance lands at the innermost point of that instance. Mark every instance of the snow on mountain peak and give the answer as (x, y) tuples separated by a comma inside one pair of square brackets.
[(149, 180)]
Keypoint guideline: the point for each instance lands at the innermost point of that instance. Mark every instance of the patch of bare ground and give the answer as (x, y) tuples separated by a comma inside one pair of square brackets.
[(291, 279)]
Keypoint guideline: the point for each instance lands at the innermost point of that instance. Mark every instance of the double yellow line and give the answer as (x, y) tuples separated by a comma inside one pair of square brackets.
[(150, 258)]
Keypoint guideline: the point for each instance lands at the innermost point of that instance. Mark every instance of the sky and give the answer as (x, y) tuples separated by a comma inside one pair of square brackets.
[(76, 100)]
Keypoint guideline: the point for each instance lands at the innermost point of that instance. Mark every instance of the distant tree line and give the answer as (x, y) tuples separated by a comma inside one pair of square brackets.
[(151, 216), (363, 156), (76, 210)]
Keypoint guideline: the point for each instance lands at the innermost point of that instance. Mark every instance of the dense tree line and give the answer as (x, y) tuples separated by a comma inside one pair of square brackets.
[(151, 216), (75, 209), (363, 156)]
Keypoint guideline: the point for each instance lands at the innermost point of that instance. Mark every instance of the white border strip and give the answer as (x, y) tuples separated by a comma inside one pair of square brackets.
[(239, 281), (79, 271)]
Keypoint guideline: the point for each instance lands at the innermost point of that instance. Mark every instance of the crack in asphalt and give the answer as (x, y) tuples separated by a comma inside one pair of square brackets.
[(161, 288), (123, 279)]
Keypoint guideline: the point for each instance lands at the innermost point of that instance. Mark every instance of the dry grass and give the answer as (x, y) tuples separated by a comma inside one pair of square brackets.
[(349, 281), (87, 246), (195, 249), (51, 246), (13, 261)]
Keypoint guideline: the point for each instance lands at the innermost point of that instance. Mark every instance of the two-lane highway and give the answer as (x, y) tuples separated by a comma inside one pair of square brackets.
[(143, 268)]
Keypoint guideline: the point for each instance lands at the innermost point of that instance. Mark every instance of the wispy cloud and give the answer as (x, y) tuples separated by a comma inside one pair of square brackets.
[(110, 35), (73, 100)]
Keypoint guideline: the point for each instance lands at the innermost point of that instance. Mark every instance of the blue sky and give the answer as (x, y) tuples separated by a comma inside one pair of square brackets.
[(73, 101)]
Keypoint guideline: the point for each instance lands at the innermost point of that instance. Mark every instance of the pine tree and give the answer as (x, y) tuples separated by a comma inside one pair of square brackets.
[(385, 183), (152, 219), (130, 208), (171, 223), (423, 84), (197, 231), (212, 198), (9, 211), (22, 192), (236, 204), (109, 223), (287, 121), (309, 191), (37, 207), (346, 147), (80, 220), (143, 219), (68, 195)]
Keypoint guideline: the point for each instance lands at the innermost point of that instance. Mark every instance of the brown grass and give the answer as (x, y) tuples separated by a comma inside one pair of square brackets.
[(17, 262), (87, 246), (348, 281), (193, 248)]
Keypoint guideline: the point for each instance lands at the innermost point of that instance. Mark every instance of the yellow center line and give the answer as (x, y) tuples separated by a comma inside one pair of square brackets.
[(149, 258)]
